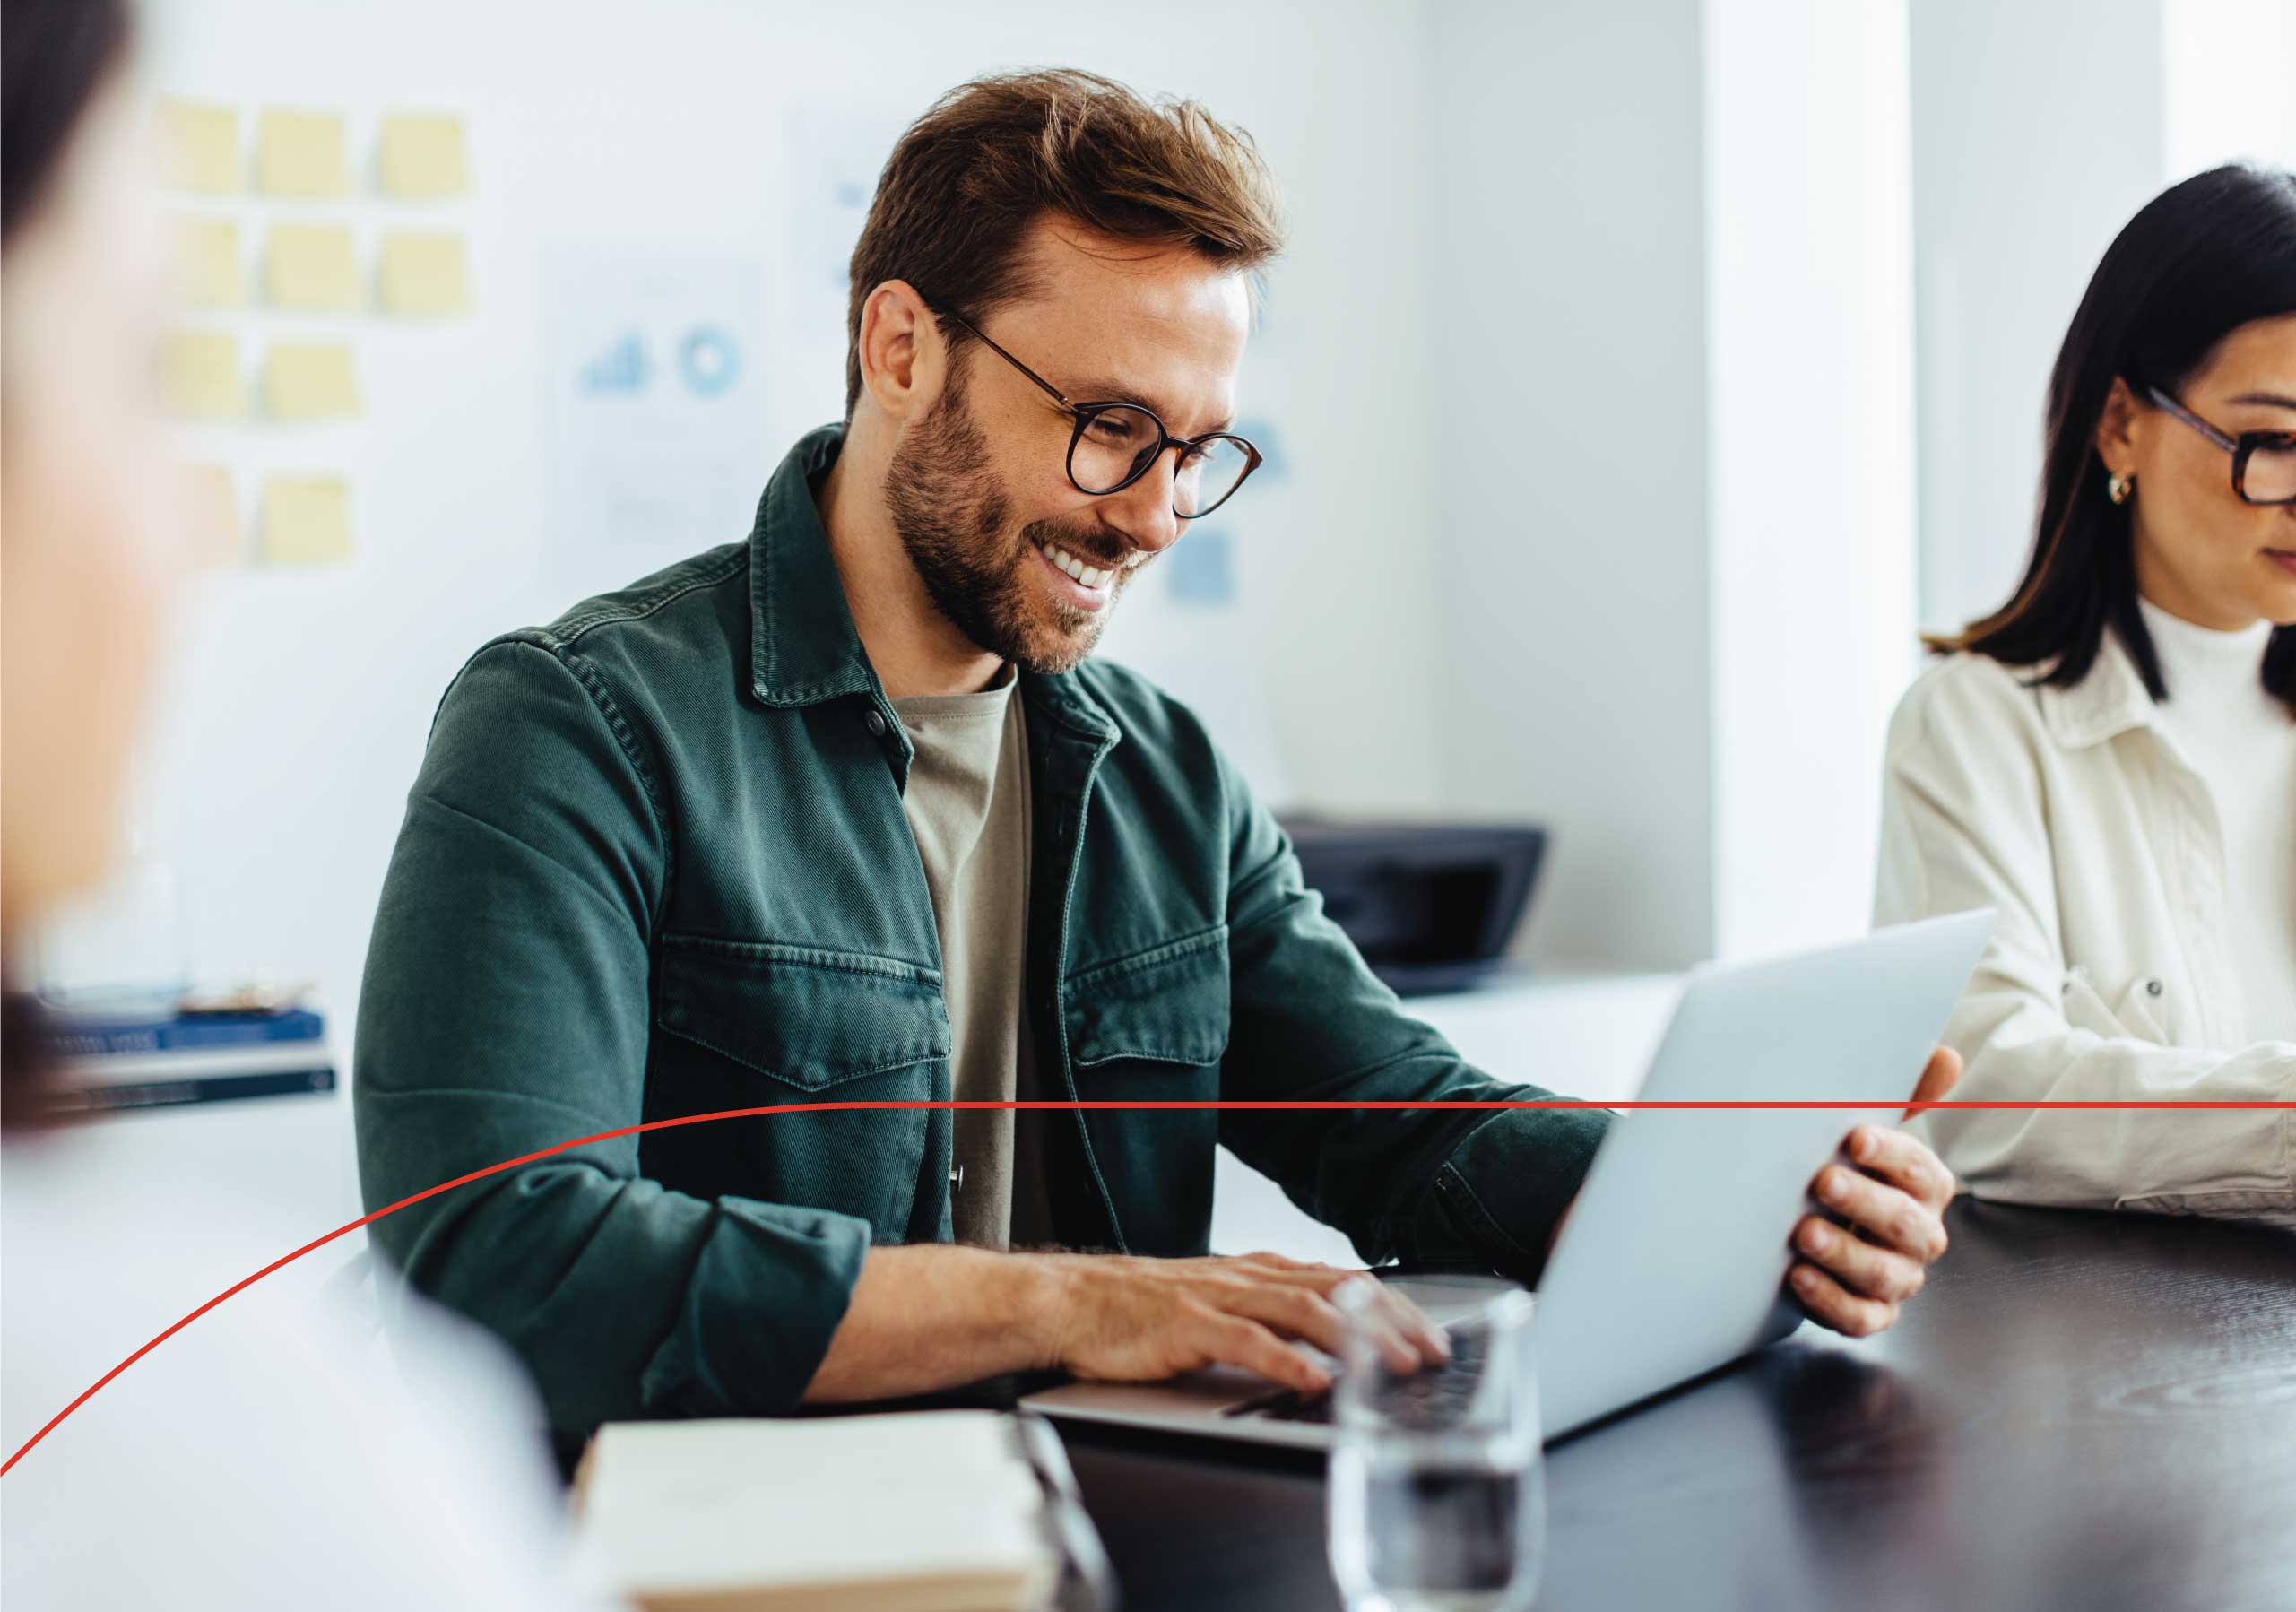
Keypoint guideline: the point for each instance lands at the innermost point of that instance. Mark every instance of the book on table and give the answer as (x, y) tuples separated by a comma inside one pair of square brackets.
[(936, 1511)]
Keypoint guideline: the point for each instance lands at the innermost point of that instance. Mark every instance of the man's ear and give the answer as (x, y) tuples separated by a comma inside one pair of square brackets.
[(2116, 430), (903, 360)]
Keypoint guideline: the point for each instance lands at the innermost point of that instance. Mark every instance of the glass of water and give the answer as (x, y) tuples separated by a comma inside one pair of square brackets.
[(1437, 1491)]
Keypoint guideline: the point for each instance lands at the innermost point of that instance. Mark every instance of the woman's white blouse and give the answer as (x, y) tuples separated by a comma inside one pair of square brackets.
[(2112, 972), (2242, 742)]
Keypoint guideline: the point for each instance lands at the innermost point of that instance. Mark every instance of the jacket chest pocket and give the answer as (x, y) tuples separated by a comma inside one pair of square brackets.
[(1157, 1011), (749, 1025)]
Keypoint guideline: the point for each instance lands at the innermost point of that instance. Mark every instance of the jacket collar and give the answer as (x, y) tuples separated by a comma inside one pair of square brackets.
[(2111, 701), (803, 645)]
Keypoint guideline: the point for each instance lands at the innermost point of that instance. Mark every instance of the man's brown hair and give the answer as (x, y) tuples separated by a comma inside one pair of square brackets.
[(990, 158)]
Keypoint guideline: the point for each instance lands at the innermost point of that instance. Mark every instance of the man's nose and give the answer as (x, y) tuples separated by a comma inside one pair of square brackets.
[(1142, 512)]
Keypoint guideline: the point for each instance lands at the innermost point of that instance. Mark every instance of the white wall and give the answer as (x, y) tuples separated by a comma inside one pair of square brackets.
[(295, 719)]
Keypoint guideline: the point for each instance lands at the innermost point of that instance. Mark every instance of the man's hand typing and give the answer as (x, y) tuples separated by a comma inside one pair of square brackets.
[(929, 1318)]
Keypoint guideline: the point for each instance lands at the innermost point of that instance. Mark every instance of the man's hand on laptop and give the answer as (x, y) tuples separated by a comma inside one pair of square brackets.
[(928, 1316), (1121, 1319), (1856, 1272)]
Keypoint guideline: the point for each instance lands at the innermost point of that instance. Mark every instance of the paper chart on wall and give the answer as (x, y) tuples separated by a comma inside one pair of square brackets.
[(655, 403)]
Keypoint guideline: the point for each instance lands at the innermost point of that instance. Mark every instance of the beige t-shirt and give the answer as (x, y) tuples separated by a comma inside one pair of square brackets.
[(967, 804)]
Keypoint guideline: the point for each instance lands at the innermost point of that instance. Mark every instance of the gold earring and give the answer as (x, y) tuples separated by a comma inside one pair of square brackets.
[(2119, 489)]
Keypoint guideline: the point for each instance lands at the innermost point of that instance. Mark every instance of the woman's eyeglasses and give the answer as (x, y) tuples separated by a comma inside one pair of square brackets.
[(1115, 444), (2264, 463)]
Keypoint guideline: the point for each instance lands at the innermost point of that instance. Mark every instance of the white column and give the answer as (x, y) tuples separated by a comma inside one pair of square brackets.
[(1810, 314), (1675, 454)]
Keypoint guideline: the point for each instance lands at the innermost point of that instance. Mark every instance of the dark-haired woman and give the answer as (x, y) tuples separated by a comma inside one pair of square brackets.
[(2111, 757), (250, 1461)]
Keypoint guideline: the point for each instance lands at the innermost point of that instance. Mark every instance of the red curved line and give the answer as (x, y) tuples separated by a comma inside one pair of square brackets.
[(1245, 1105)]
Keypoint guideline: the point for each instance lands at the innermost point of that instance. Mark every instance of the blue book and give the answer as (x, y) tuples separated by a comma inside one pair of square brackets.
[(101, 1036)]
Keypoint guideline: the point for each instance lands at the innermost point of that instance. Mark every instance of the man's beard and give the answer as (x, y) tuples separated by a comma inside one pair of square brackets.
[(951, 515)]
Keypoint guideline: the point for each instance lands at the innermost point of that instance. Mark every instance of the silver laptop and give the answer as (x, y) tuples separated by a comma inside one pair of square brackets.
[(1673, 1262)]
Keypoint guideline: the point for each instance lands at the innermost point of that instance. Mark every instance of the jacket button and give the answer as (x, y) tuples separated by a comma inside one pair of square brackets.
[(2153, 987), (875, 723)]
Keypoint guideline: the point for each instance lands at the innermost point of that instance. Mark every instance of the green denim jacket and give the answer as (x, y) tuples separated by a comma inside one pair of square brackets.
[(655, 865)]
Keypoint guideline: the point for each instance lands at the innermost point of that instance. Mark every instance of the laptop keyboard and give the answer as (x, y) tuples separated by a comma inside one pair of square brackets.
[(1435, 1391)]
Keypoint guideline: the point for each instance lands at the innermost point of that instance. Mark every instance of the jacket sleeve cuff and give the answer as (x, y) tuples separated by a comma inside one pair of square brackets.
[(760, 1306), (1504, 1188)]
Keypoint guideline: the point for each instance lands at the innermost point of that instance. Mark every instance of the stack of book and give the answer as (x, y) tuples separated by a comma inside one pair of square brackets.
[(109, 1060)]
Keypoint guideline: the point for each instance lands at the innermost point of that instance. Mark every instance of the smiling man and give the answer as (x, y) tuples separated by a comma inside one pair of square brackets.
[(843, 812)]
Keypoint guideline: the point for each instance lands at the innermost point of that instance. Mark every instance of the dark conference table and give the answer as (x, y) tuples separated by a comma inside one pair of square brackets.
[(2090, 1411)]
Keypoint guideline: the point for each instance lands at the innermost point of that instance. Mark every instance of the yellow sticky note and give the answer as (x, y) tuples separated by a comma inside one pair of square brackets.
[(306, 520), (301, 154), (423, 157), (425, 274), (309, 380), (206, 263), (311, 266), (199, 374), (211, 507), (199, 146)]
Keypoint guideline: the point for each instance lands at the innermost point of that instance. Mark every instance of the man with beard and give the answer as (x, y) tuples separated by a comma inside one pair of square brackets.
[(841, 813)]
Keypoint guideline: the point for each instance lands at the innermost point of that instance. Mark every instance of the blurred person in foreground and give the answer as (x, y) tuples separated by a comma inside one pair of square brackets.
[(244, 1462), (843, 810), (2110, 759)]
